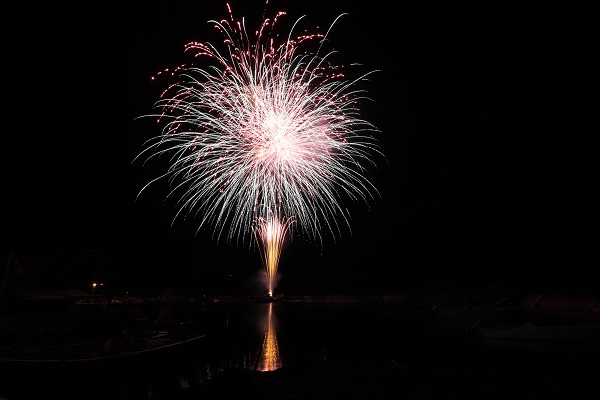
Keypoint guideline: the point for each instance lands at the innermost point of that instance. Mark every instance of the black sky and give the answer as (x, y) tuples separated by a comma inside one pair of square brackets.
[(488, 115)]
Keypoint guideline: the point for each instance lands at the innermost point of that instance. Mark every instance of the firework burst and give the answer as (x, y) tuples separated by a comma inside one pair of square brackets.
[(266, 138)]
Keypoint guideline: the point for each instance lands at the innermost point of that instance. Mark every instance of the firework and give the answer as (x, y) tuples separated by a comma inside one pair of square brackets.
[(270, 234), (266, 138)]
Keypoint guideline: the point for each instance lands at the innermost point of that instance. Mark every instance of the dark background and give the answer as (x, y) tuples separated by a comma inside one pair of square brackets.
[(488, 115)]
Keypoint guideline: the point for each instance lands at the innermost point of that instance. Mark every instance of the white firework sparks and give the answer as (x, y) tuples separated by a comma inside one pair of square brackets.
[(265, 130)]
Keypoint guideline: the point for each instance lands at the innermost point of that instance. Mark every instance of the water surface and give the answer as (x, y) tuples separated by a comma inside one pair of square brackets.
[(305, 350)]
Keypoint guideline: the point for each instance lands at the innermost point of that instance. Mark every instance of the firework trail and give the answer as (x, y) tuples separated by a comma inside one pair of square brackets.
[(266, 139), (270, 233)]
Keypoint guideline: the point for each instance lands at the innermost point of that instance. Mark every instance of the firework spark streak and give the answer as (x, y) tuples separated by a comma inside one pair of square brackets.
[(270, 233), (267, 138)]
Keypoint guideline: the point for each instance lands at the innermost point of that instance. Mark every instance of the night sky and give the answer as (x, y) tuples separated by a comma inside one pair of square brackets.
[(488, 117)]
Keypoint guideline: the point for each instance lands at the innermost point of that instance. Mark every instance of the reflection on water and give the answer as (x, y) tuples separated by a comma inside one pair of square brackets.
[(230, 347), (268, 358), (325, 349)]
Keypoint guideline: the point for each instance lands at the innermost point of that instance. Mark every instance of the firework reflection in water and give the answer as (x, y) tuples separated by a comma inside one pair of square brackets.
[(268, 357), (266, 140)]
